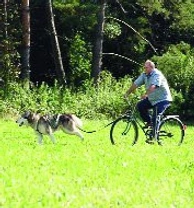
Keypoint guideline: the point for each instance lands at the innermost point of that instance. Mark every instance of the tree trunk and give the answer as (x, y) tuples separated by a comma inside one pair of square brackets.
[(55, 45), (25, 55), (3, 63), (98, 47), (5, 18)]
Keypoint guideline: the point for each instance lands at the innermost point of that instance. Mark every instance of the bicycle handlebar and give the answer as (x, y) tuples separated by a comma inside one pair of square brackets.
[(136, 97)]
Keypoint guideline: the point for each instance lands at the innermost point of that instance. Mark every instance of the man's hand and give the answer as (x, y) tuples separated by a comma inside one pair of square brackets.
[(125, 96), (129, 91), (144, 96)]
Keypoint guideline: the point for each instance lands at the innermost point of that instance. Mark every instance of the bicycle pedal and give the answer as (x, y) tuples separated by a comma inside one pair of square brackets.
[(149, 141), (149, 134), (160, 143)]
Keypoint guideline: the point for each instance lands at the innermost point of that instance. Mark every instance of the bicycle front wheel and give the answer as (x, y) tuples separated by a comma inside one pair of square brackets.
[(124, 131), (171, 131)]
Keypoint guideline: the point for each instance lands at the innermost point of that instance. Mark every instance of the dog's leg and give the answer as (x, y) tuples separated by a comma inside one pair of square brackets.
[(77, 133), (52, 138), (40, 138)]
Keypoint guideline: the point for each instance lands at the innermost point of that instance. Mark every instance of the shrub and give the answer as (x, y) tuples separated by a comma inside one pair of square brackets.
[(89, 101), (178, 66)]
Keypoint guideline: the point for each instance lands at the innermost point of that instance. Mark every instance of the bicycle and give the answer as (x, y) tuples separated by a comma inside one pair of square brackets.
[(168, 128)]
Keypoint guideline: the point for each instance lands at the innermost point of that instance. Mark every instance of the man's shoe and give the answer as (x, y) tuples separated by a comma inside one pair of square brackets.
[(150, 141), (148, 126), (160, 143)]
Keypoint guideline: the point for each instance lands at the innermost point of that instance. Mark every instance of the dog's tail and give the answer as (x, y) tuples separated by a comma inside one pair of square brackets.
[(79, 124), (78, 121)]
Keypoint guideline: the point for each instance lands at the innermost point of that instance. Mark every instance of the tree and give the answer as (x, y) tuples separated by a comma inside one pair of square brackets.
[(5, 18), (9, 57), (25, 55), (98, 47), (55, 45), (4, 35)]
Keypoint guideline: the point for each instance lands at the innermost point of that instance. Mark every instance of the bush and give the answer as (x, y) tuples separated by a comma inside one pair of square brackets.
[(104, 101), (178, 66), (88, 101)]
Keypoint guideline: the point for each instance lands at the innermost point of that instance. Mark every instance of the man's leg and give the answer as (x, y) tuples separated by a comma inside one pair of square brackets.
[(143, 106), (159, 108)]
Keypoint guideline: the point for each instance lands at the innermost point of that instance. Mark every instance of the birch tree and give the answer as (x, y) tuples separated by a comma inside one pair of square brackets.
[(25, 55), (55, 45)]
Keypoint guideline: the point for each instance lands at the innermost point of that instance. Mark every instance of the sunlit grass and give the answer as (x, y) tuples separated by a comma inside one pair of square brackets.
[(93, 173)]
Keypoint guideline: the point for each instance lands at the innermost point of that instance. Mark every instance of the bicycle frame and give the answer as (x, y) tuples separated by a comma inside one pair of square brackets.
[(147, 132), (164, 130), (131, 114)]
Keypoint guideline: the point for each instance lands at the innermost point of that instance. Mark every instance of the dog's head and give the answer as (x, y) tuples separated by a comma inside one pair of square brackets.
[(24, 118)]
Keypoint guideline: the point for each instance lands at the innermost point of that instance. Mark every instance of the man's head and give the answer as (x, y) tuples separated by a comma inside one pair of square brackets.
[(149, 66)]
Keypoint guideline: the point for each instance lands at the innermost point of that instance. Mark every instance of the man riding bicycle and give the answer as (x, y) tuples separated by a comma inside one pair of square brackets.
[(156, 97)]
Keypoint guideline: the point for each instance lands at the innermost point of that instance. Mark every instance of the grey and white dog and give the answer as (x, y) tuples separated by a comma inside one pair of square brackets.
[(48, 124)]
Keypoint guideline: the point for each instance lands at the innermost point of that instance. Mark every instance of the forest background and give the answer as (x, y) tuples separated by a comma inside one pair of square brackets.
[(102, 46)]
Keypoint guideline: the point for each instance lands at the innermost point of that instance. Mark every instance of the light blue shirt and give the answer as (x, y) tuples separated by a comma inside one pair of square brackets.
[(162, 91)]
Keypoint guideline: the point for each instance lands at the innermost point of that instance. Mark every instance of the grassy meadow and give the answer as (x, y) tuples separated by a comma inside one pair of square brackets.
[(92, 173)]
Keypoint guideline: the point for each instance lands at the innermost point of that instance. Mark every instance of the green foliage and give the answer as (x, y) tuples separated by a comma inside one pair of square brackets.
[(182, 16), (89, 101), (177, 106), (73, 18), (104, 101), (80, 60), (163, 23), (112, 29), (10, 59), (177, 64), (9, 39), (157, 6), (67, 1)]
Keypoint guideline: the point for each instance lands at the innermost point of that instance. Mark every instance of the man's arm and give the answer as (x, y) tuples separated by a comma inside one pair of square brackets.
[(130, 90), (148, 91)]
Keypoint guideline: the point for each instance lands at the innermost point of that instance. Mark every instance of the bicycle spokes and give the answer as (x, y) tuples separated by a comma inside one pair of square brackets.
[(171, 131), (124, 132)]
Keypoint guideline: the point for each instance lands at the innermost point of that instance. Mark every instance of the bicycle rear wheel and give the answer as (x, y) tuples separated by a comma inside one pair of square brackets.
[(124, 131), (171, 131)]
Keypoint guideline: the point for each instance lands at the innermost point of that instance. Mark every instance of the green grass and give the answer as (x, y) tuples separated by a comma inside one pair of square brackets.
[(92, 173)]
